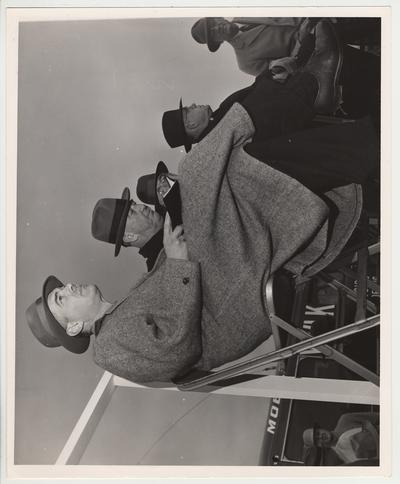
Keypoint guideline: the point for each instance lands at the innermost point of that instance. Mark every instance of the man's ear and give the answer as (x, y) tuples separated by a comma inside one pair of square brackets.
[(74, 328), (129, 237)]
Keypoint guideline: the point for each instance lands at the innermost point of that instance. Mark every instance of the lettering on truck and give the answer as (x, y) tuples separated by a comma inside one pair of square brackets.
[(273, 416)]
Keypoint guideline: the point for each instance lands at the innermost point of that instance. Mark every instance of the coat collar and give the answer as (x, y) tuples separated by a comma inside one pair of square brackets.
[(160, 259)]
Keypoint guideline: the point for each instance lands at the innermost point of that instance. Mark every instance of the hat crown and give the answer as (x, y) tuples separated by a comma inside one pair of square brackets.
[(39, 325), (199, 31), (107, 214), (174, 128), (146, 189), (102, 220), (109, 219)]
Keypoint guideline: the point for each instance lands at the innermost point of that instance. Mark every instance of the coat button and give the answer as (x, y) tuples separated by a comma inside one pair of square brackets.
[(185, 280)]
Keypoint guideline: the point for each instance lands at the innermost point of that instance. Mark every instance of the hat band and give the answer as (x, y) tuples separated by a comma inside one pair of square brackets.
[(118, 213), (43, 331)]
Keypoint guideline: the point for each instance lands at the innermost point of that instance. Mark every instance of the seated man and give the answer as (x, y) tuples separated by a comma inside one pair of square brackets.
[(275, 108), (355, 438), (257, 41), (202, 304)]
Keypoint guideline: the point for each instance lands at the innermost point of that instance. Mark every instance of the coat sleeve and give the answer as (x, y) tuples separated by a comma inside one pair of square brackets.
[(162, 341)]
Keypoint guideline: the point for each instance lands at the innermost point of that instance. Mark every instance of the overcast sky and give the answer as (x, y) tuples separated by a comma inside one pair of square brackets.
[(91, 96)]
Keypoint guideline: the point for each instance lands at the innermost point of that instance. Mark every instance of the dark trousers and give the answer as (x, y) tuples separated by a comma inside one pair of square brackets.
[(323, 158), (361, 81)]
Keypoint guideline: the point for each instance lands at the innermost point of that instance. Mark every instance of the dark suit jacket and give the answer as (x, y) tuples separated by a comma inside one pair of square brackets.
[(274, 108)]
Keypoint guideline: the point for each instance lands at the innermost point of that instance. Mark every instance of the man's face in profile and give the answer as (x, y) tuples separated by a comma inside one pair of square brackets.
[(143, 222), (195, 119), (163, 185), (74, 302)]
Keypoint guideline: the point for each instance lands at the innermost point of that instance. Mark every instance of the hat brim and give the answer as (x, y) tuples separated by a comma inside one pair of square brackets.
[(186, 141), (75, 344), (126, 195), (211, 44), (160, 170)]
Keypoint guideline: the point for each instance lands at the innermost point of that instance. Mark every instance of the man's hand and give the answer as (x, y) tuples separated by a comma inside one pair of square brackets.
[(174, 241)]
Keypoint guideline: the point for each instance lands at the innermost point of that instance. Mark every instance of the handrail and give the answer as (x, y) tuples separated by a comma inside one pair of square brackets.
[(328, 351), (283, 353), (349, 292)]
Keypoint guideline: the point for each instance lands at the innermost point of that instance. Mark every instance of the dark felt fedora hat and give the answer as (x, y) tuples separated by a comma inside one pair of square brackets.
[(109, 219), (201, 33), (146, 188), (46, 328), (174, 128)]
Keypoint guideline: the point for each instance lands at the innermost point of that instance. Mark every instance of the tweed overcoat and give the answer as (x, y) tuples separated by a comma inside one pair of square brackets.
[(243, 220)]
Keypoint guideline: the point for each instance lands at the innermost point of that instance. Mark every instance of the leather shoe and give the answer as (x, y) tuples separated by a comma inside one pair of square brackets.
[(325, 65)]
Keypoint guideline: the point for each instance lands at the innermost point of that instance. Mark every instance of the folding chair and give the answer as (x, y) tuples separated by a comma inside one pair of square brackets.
[(253, 376)]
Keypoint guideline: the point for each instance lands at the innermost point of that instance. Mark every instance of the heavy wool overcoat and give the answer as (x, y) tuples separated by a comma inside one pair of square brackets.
[(243, 220)]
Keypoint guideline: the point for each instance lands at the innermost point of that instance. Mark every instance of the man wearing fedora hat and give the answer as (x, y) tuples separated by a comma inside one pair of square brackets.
[(259, 42), (138, 226), (275, 108), (125, 223), (202, 304), (355, 438), (126, 341)]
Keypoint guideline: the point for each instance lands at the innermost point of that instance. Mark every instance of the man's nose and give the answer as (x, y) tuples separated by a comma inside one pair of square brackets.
[(67, 288)]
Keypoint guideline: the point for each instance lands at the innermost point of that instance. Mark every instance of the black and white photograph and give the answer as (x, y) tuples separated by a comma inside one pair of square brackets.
[(196, 201)]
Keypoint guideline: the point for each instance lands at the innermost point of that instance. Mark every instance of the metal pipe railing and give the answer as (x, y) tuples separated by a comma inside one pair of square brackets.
[(282, 353)]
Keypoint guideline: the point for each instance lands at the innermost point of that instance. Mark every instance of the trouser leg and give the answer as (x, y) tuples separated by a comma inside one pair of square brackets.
[(356, 30), (361, 81), (303, 85), (323, 158)]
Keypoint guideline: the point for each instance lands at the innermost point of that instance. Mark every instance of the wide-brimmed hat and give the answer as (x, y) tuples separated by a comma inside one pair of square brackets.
[(201, 32), (146, 188), (109, 219), (46, 328), (174, 128)]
